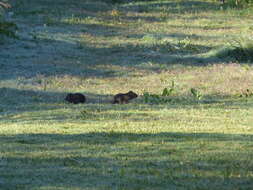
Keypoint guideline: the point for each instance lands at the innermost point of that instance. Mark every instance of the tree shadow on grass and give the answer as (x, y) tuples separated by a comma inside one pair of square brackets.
[(54, 53), (59, 58), (113, 138), (22, 8), (126, 160), (43, 104)]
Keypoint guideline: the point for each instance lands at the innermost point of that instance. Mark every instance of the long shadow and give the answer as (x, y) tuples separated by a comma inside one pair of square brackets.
[(59, 58), (112, 160), (13, 101), (51, 54), (15, 97), (54, 58), (104, 138)]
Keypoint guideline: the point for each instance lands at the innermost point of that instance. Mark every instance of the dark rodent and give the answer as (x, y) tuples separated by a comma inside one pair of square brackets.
[(75, 98), (124, 98)]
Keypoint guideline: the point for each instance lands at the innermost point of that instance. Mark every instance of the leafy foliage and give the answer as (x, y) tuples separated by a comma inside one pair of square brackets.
[(196, 93), (169, 91), (163, 98)]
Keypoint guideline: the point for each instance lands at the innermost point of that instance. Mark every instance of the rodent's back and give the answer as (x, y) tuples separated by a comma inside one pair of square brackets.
[(118, 98), (75, 98)]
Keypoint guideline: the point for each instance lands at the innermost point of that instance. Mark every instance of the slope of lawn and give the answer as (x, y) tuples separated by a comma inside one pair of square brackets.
[(98, 48)]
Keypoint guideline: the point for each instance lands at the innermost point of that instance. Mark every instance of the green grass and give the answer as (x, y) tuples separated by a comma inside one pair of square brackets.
[(101, 49)]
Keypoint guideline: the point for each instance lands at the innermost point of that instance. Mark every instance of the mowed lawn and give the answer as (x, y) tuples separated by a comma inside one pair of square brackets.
[(100, 49)]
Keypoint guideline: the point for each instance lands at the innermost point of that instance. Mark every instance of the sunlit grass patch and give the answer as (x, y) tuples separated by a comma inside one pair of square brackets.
[(78, 20)]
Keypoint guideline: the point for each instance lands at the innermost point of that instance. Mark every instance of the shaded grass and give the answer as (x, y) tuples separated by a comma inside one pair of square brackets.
[(101, 49), (112, 160)]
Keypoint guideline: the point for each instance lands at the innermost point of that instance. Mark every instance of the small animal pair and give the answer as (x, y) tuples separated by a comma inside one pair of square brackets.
[(120, 98)]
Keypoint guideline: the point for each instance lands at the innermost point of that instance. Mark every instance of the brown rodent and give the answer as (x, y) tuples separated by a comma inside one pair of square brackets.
[(124, 98), (75, 98)]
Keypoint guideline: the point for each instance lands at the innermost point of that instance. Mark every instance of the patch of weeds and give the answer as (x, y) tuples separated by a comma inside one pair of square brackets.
[(152, 98), (248, 93), (170, 90), (187, 45), (158, 99), (166, 45), (45, 85), (158, 44), (196, 94), (240, 50), (8, 29)]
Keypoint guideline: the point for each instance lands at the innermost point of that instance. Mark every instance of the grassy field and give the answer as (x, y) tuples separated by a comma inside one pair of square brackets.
[(98, 48)]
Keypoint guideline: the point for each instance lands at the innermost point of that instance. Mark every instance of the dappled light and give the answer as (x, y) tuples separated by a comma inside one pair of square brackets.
[(187, 126), (84, 159)]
